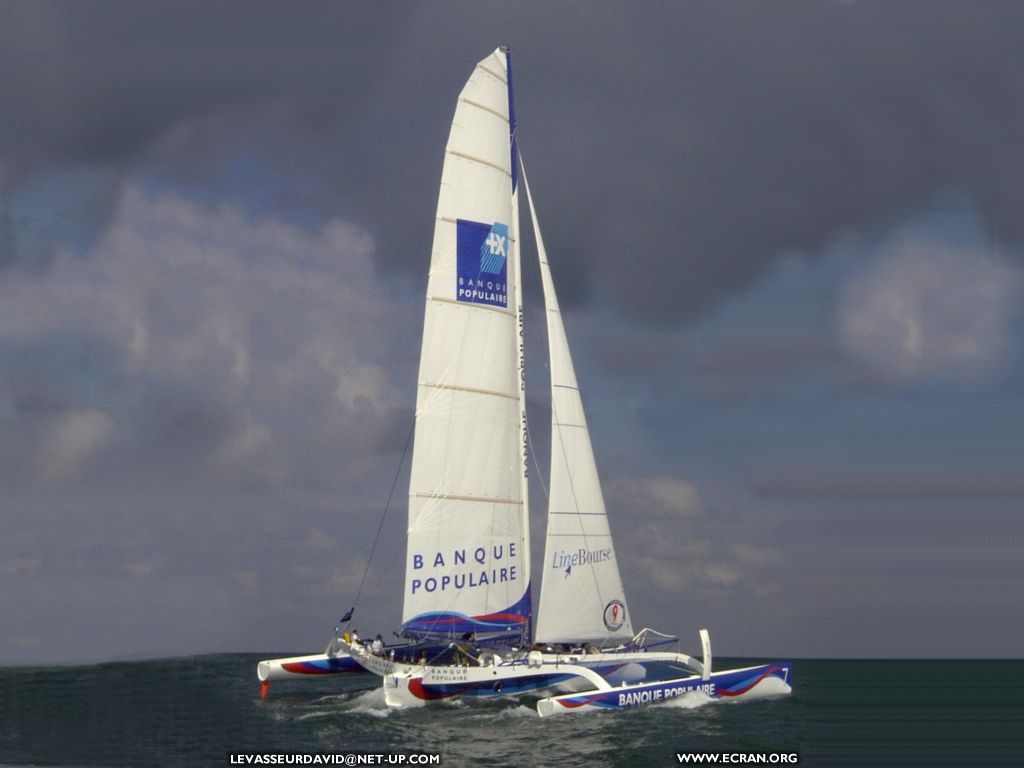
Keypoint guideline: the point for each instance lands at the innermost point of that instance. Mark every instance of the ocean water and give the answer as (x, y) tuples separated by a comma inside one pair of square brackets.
[(198, 711)]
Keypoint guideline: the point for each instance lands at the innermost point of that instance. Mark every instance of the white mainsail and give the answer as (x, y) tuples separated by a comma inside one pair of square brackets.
[(468, 560), (581, 596)]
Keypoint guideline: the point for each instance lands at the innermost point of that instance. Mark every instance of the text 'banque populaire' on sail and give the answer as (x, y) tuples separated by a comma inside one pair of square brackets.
[(494, 573)]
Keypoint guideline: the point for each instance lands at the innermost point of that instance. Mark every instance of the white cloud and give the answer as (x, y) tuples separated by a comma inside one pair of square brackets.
[(924, 307), (662, 495), (318, 541), (681, 547), (72, 441), (140, 569), (274, 335), (196, 368), (246, 578), (757, 557), (21, 565)]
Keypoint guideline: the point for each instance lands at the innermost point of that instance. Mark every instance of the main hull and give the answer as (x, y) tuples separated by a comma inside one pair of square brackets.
[(541, 674), (411, 689)]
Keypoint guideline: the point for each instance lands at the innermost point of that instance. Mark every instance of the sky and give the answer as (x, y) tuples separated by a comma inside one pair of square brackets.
[(788, 247)]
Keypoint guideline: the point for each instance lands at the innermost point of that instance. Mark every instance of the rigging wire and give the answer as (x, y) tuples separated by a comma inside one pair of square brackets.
[(536, 464), (380, 525)]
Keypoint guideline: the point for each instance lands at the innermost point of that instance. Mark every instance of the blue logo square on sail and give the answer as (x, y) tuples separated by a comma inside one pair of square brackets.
[(481, 255)]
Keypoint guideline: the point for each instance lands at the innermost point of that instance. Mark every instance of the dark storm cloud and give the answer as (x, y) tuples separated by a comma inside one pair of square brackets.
[(725, 133), (768, 127), (96, 85), (678, 150), (96, 81)]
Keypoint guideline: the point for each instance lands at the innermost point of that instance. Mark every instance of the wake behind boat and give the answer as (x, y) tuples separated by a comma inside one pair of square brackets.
[(467, 614)]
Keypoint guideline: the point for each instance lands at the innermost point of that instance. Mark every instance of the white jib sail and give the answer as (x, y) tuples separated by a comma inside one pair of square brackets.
[(467, 564), (581, 596)]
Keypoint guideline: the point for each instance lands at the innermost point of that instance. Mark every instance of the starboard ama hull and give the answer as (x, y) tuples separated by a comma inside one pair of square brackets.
[(766, 680)]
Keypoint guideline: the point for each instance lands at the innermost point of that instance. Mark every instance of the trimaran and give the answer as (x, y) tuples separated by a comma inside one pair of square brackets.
[(467, 617)]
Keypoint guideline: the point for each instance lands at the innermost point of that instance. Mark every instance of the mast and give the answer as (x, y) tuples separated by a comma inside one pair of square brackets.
[(521, 328)]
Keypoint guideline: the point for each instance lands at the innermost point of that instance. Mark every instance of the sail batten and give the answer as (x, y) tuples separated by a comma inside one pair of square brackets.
[(472, 159), (490, 500), (509, 395), (484, 107), (492, 73)]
